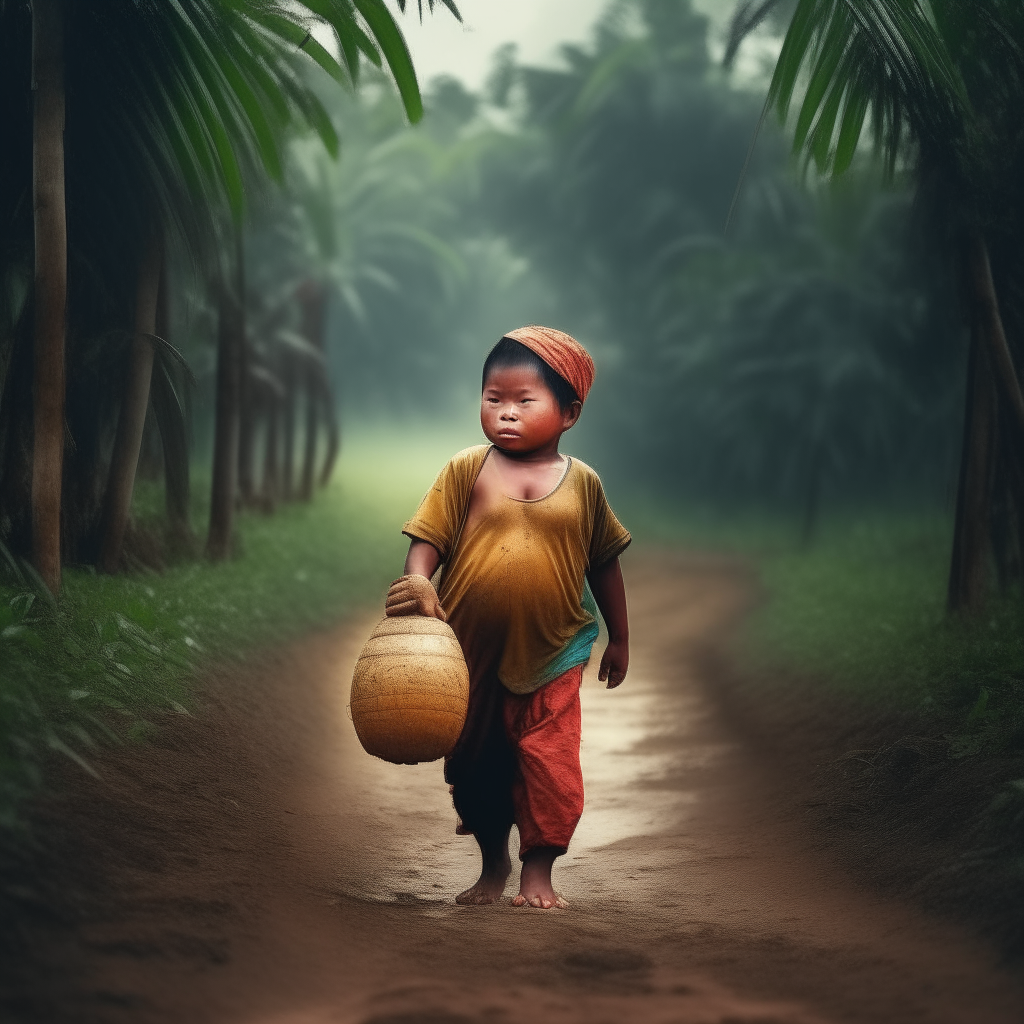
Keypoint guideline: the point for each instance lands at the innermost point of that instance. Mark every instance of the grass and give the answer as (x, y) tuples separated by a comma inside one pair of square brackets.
[(863, 614), (864, 611), (117, 652)]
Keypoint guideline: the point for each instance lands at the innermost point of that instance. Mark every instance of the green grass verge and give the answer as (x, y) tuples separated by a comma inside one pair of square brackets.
[(858, 620), (118, 651), (864, 611)]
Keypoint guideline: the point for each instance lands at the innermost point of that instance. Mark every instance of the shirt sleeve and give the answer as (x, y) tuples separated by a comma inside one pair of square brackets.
[(439, 518), (609, 537)]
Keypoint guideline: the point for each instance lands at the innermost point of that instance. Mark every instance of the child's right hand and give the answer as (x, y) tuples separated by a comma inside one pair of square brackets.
[(413, 595), (614, 663)]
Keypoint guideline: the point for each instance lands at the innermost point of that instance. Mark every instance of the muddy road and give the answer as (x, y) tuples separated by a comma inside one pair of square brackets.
[(254, 866)]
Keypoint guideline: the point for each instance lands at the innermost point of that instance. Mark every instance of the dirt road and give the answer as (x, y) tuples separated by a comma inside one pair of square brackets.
[(261, 869)]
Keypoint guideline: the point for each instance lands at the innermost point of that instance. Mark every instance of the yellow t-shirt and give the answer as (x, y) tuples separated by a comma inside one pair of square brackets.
[(514, 585)]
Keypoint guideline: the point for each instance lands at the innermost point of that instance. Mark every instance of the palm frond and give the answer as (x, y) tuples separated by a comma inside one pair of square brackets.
[(879, 58), (392, 45), (748, 16)]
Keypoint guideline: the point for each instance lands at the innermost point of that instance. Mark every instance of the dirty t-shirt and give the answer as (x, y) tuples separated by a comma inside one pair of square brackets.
[(515, 582)]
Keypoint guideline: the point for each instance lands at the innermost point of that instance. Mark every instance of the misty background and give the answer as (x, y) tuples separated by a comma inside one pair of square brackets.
[(805, 355)]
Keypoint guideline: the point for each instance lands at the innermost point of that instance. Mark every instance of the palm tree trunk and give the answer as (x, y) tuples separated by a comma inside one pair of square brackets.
[(968, 574), (247, 419), (333, 432), (271, 462), (290, 381), (312, 376), (225, 443), (132, 420), (50, 285), (1007, 505), (986, 303), (313, 298), (177, 484)]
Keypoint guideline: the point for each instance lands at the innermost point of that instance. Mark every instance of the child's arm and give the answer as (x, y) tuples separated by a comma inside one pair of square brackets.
[(422, 560), (412, 594), (610, 594)]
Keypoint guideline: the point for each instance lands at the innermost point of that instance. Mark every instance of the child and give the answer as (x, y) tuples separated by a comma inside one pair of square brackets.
[(521, 530)]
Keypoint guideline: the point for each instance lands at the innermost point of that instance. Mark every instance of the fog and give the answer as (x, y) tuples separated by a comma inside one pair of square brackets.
[(804, 355)]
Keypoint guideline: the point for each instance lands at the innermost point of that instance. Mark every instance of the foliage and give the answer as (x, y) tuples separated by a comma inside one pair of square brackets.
[(395, 230), (119, 653), (361, 228), (595, 195), (943, 82), (177, 111), (800, 354), (863, 614)]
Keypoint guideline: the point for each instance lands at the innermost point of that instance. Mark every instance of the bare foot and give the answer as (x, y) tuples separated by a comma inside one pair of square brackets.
[(490, 886), (488, 889), (535, 889)]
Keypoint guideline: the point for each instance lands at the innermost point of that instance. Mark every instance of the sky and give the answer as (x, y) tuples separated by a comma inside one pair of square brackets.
[(539, 27)]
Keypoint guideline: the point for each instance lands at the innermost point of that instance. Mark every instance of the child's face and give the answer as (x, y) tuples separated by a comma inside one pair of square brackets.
[(519, 413)]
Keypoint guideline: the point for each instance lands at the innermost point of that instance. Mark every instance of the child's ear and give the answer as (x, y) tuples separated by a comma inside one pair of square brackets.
[(571, 415)]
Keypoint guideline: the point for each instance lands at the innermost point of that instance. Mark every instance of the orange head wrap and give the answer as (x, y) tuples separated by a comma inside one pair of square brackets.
[(562, 352)]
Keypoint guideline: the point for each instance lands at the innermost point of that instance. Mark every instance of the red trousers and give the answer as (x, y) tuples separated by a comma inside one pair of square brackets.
[(518, 761)]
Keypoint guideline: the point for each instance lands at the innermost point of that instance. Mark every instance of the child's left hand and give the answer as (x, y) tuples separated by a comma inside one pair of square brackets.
[(614, 663)]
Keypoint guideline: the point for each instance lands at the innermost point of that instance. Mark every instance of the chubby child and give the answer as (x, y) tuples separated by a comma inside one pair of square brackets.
[(530, 551)]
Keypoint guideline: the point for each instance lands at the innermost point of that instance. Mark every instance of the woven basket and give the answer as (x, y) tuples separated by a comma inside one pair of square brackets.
[(410, 690)]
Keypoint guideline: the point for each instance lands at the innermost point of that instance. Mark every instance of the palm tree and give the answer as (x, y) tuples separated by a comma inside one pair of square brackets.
[(797, 379), (177, 106), (132, 418), (940, 84), (345, 236), (50, 284)]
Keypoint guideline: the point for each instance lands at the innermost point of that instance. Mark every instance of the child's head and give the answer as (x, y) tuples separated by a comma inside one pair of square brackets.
[(525, 403), (511, 354)]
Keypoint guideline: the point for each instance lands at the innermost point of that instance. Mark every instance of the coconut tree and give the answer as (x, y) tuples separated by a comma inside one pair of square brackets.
[(796, 378), (345, 236), (940, 85), (176, 106)]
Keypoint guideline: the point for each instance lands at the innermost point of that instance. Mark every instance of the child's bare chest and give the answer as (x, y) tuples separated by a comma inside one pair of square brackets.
[(499, 483)]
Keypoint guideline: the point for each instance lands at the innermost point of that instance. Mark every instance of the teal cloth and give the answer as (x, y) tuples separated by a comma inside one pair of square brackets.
[(577, 650)]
